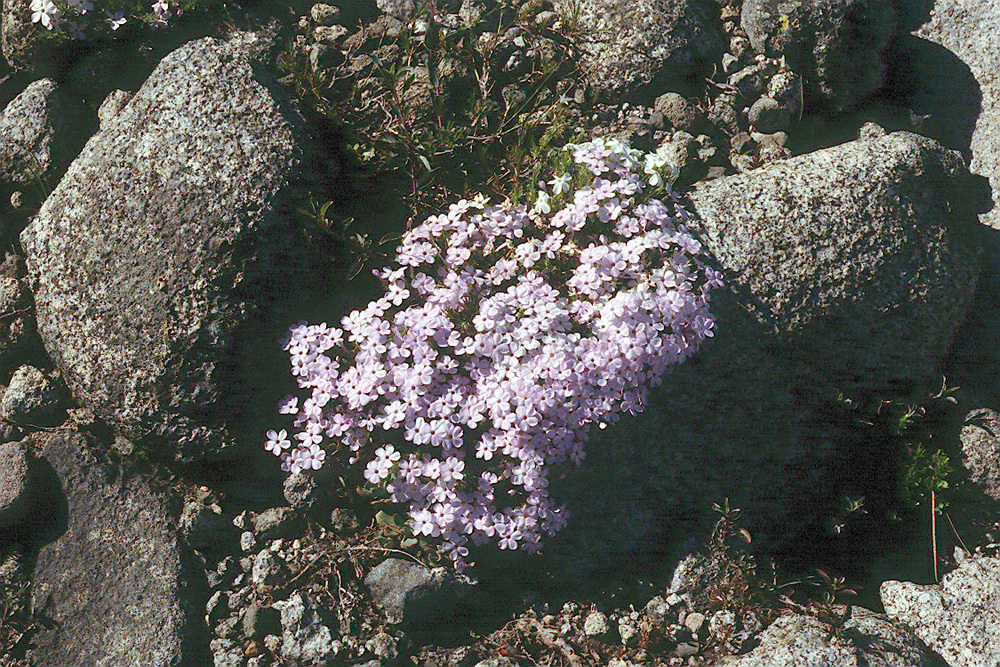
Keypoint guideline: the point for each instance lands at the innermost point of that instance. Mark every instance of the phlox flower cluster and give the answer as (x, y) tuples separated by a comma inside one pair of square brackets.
[(51, 17), (504, 335)]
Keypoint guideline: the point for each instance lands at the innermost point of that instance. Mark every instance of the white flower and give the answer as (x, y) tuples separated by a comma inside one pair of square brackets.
[(560, 184), (654, 164), (46, 13), (542, 203), (115, 20)]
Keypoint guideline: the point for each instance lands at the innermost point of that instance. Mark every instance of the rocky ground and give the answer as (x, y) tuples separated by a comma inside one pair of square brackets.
[(838, 157)]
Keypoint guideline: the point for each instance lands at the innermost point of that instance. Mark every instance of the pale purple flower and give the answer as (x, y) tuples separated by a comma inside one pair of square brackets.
[(115, 20), (277, 442), (81, 6), (552, 349)]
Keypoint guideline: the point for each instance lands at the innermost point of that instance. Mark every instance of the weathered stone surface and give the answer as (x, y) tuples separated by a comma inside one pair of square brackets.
[(20, 40), (959, 618), (154, 261), (768, 116), (304, 634), (40, 132), (981, 450), (837, 46), (13, 483), (860, 260), (866, 640), (645, 48), (959, 84), (410, 594), (18, 339), (31, 398), (110, 578), (407, 10), (848, 270), (206, 528)]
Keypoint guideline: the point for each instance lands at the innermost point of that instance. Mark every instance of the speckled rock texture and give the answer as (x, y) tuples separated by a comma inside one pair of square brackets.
[(959, 618), (160, 262), (19, 39), (646, 48), (18, 340), (419, 598), (40, 132), (110, 577), (981, 450), (14, 482), (859, 260), (866, 640), (304, 635), (838, 46), (31, 398), (961, 84)]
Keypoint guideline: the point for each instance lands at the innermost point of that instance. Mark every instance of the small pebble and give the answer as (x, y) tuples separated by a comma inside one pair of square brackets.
[(694, 621), (596, 624)]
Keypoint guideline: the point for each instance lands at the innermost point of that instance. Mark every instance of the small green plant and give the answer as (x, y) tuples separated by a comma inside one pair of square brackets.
[(430, 111), (827, 606), (354, 250), (921, 433)]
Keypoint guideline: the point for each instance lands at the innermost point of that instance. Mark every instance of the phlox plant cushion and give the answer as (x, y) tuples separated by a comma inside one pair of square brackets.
[(504, 335)]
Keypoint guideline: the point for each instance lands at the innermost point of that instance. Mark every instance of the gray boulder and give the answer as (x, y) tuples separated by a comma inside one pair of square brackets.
[(959, 618), (981, 450), (31, 399), (160, 262), (110, 578), (643, 49), (859, 261), (847, 268), (18, 339), (412, 595), (14, 484), (21, 40), (40, 132), (838, 46), (866, 640), (956, 79), (304, 636)]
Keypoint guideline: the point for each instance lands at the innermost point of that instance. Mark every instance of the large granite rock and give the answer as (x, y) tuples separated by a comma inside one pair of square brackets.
[(412, 595), (159, 263), (847, 268), (859, 261), (645, 48), (40, 132), (838, 46), (111, 585), (980, 438), (955, 78), (14, 484), (866, 640), (959, 618)]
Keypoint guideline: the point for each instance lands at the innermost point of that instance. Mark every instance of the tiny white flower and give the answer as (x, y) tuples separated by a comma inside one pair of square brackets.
[(542, 203), (560, 184)]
